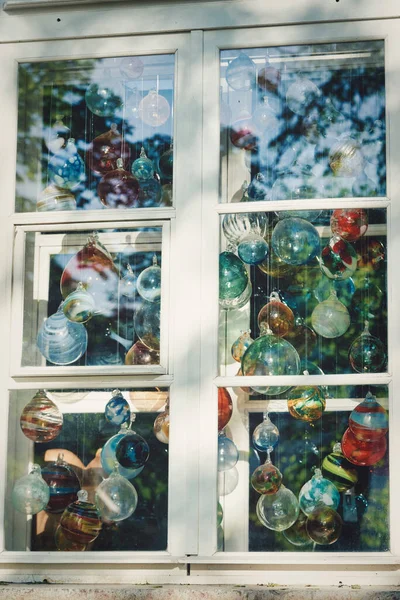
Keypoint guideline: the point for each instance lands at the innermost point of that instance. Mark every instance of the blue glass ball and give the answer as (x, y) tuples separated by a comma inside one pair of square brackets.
[(295, 241), (142, 167), (233, 277), (108, 457), (104, 98), (228, 454), (132, 451), (253, 250), (318, 491), (117, 410), (62, 341), (66, 168)]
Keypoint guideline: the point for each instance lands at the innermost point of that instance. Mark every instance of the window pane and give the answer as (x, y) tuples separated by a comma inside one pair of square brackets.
[(81, 127), (336, 495), (84, 444), (303, 122)]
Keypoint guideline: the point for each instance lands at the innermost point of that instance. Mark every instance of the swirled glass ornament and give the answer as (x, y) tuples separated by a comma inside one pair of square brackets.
[(79, 306), (30, 493), (345, 158), (297, 534), (154, 109), (339, 470), (317, 491), (349, 223), (369, 420), (117, 409), (66, 168), (295, 241), (270, 355), (105, 150), (105, 98), (258, 188), (306, 403), (41, 420), (118, 188), (233, 280), (228, 454), (131, 67), (225, 408), (367, 353), (63, 544), (370, 254), (108, 457), (80, 521), (63, 484), (166, 163), (61, 341), (128, 283), (266, 479), (116, 498), (265, 435), (139, 354), (132, 451), (237, 226), (147, 324), (338, 259), (278, 511), (367, 299), (363, 454), (142, 167), (266, 119), (330, 318), (150, 193), (161, 427), (277, 315), (240, 346), (241, 73), (253, 249), (53, 198), (243, 132), (149, 282), (301, 94), (58, 136), (324, 526)]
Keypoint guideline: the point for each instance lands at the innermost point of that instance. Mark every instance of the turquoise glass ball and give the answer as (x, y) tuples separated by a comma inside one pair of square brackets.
[(295, 241)]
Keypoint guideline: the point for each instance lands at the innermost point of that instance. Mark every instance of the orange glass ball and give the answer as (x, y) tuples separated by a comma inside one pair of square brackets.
[(225, 408), (277, 315), (363, 454)]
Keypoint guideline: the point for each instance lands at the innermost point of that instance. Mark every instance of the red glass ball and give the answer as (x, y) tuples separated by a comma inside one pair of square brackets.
[(225, 408), (269, 79), (118, 189), (243, 133), (363, 454), (105, 150), (349, 224)]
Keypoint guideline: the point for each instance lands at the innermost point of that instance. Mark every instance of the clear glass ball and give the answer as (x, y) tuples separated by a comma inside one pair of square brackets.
[(278, 511), (30, 493), (149, 283), (147, 324), (116, 498), (228, 454)]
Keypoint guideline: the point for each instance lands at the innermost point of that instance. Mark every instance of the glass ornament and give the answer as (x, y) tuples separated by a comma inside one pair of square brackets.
[(297, 183), (317, 491), (154, 109), (349, 223), (370, 254), (108, 457), (66, 168), (367, 299), (63, 484), (367, 353), (330, 318), (301, 94), (104, 151), (220, 514), (369, 420), (142, 167), (61, 341), (243, 132), (118, 188), (53, 199), (240, 346), (117, 409), (228, 454), (161, 427), (105, 98), (306, 403), (252, 249), (150, 193), (131, 67), (266, 479), (275, 266), (278, 511), (146, 321), (233, 280), (237, 226), (41, 420), (166, 195), (297, 534), (324, 526), (116, 498), (295, 241), (258, 188), (277, 315), (363, 454), (268, 79), (344, 289), (139, 354), (345, 158), (80, 521), (132, 451), (166, 163), (339, 470), (63, 544), (266, 119), (149, 282), (58, 136), (225, 408), (227, 481), (128, 283), (338, 259), (79, 306), (30, 493), (265, 435), (270, 355), (241, 73)]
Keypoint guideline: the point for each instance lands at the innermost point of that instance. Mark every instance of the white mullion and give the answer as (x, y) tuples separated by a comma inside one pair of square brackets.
[(315, 203), (67, 218), (292, 380)]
